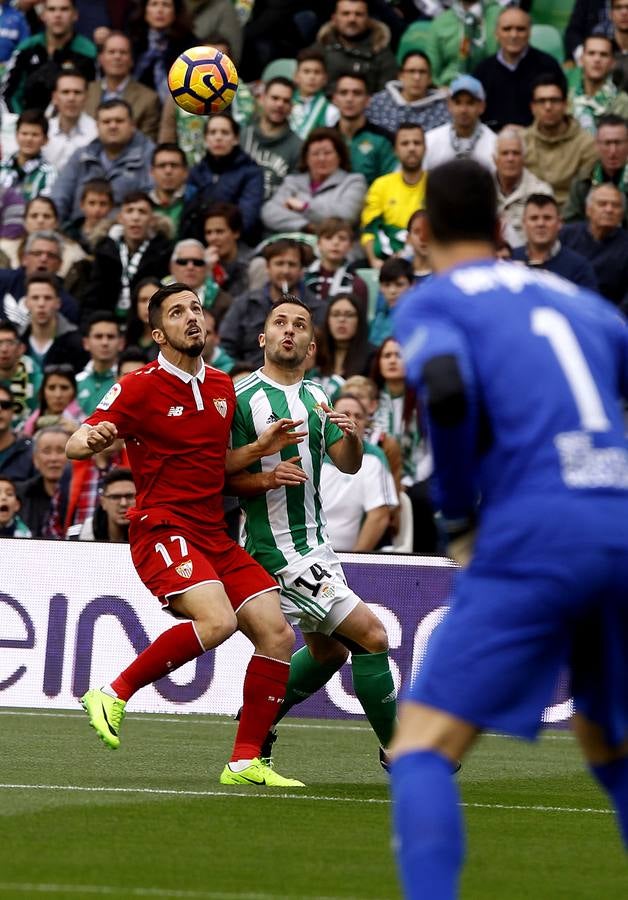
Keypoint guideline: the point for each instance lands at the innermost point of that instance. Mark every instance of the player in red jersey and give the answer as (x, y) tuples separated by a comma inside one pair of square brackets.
[(175, 415)]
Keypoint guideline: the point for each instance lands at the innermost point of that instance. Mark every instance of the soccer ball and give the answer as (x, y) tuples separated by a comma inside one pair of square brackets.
[(203, 81)]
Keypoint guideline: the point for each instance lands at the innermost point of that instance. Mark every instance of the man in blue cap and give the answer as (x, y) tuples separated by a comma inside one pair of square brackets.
[(465, 136)]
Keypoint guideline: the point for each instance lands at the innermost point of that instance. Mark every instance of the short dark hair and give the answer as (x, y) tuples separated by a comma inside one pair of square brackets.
[(461, 202), (97, 186), (235, 126), (132, 353), (136, 197), (156, 301), (326, 134), (417, 52), (311, 54), (43, 278), (227, 211), (357, 76), (33, 117), (169, 147), (283, 245), (599, 37), (611, 119), (550, 79), (333, 225), (408, 125), (281, 80), (5, 478), (8, 325), (41, 199), (118, 473), (540, 199), (99, 315), (394, 268), (69, 73), (293, 300), (111, 103)]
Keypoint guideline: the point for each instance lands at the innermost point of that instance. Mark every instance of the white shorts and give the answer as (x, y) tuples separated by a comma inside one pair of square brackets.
[(318, 599)]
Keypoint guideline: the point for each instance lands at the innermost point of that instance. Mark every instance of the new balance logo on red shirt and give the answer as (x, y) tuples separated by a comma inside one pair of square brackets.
[(175, 411)]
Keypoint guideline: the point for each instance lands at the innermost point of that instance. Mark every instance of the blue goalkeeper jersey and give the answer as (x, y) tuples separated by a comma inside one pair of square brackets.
[(544, 366)]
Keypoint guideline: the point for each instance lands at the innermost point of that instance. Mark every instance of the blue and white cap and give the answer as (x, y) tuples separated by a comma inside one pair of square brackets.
[(469, 84)]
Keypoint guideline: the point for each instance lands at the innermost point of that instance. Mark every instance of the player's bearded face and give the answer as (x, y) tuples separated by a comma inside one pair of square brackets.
[(183, 325), (287, 339)]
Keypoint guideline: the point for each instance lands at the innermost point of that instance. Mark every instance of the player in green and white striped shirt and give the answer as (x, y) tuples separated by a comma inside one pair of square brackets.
[(285, 523)]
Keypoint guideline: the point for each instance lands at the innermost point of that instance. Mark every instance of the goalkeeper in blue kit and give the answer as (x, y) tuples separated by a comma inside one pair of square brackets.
[(522, 378)]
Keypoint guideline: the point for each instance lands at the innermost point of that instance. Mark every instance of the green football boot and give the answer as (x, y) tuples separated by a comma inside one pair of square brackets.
[(258, 774), (105, 715)]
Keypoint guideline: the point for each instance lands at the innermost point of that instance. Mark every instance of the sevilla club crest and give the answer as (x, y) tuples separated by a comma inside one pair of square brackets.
[(185, 569), (221, 405)]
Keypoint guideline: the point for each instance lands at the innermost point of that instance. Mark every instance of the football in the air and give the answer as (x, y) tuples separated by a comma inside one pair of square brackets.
[(203, 80)]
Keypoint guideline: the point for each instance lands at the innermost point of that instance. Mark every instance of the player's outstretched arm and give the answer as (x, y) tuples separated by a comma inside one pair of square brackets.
[(279, 435), (90, 439), (346, 454), (249, 484)]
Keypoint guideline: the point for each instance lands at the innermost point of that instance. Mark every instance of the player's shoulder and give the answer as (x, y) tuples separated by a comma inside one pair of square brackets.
[(246, 386), (216, 376)]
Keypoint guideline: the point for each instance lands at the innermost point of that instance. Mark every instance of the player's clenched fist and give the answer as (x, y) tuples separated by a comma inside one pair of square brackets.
[(101, 436)]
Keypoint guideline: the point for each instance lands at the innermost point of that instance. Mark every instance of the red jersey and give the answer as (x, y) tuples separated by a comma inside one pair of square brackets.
[(176, 427)]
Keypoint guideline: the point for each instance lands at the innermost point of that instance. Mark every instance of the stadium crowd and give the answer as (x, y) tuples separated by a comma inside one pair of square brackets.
[(311, 183)]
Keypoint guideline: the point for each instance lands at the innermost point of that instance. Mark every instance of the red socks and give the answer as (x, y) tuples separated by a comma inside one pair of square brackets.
[(170, 650), (264, 689)]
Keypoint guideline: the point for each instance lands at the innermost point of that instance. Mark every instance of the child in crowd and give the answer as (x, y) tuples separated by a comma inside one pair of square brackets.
[(329, 274), (395, 276), (10, 523), (417, 250), (26, 169), (311, 109), (96, 206)]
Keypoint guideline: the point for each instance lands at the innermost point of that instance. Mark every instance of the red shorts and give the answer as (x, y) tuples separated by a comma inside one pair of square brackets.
[(171, 558)]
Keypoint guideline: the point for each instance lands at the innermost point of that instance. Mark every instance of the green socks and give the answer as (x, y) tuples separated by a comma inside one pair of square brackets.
[(306, 677), (374, 687), (372, 682)]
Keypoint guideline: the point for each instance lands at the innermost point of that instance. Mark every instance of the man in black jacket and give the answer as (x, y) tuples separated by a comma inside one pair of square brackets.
[(244, 322), (507, 76), (133, 250), (33, 69)]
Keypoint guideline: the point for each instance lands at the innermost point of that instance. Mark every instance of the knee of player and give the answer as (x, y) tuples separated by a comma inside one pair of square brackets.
[(214, 631), (376, 638), (285, 637)]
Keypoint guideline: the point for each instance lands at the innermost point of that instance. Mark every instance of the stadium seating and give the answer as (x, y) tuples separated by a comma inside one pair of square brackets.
[(549, 39), (371, 277), (413, 38), (284, 68), (552, 12)]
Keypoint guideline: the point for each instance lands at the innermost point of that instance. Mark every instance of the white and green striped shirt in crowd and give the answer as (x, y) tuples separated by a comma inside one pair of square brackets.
[(284, 525)]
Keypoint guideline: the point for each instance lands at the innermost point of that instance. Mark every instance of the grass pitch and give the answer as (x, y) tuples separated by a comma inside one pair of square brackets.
[(151, 820)]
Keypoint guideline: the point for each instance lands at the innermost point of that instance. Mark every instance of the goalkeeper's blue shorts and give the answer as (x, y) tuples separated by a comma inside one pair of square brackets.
[(495, 659)]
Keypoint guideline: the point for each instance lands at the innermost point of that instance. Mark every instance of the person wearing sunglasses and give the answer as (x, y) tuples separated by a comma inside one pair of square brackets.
[(16, 454), (109, 521), (189, 265)]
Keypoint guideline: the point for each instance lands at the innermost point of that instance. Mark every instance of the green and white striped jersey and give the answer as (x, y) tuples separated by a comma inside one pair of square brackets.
[(284, 525)]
